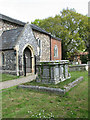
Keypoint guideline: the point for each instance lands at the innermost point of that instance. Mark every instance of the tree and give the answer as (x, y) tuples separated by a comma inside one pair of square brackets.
[(84, 59), (71, 27), (74, 32), (37, 22)]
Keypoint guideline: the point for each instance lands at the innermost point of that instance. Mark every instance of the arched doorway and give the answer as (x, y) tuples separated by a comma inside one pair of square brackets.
[(27, 60)]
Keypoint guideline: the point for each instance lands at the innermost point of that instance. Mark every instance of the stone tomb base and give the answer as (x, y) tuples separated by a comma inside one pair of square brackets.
[(52, 71)]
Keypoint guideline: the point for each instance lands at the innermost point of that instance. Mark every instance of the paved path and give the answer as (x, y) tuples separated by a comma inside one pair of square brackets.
[(14, 82)]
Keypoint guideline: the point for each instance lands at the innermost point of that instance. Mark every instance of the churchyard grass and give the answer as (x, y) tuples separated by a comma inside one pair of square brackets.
[(6, 77), (24, 103), (74, 76)]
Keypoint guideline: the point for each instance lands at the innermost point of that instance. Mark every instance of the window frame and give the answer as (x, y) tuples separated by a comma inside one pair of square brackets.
[(39, 42), (55, 51), (3, 59)]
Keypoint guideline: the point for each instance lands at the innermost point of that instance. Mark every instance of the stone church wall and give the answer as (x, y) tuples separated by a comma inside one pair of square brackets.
[(4, 25), (27, 38), (10, 61), (45, 39)]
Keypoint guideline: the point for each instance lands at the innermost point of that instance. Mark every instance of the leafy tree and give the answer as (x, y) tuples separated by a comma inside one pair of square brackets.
[(71, 27), (84, 59), (37, 22), (74, 32)]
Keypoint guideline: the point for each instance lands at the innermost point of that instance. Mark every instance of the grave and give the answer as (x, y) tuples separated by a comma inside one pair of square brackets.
[(52, 71)]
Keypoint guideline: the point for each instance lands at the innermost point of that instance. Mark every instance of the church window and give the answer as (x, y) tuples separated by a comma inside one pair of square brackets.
[(55, 51), (39, 46), (3, 59)]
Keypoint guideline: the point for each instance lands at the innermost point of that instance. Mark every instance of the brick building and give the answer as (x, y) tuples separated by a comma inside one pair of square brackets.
[(22, 45)]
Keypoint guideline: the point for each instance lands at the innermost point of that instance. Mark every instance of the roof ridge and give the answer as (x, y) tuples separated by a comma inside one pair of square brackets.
[(33, 26), (7, 18), (42, 30), (12, 29)]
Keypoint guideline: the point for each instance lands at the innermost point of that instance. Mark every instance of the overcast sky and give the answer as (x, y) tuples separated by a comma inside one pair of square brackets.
[(29, 10)]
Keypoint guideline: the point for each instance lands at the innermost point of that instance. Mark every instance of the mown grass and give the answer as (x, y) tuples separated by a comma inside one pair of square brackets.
[(74, 76), (23, 103), (6, 77)]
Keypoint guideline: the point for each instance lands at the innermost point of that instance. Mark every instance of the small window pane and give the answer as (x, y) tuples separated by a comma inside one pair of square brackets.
[(3, 59), (55, 51), (39, 46)]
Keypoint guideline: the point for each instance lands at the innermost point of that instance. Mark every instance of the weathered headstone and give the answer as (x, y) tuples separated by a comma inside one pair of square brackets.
[(52, 71)]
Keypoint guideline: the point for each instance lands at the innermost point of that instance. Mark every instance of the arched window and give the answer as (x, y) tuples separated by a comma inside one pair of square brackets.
[(3, 59), (39, 42), (55, 51)]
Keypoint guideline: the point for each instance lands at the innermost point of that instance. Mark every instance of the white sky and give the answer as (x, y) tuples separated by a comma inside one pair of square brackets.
[(29, 10)]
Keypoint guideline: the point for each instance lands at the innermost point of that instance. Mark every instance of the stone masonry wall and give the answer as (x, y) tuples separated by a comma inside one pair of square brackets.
[(10, 60), (45, 39), (4, 25), (26, 39), (1, 24)]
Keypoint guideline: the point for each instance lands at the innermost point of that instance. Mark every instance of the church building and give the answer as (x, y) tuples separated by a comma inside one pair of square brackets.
[(22, 45)]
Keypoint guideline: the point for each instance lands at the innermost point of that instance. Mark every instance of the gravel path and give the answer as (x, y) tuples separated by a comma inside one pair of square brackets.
[(15, 82)]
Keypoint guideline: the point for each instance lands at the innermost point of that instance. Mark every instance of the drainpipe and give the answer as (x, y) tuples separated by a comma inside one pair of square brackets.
[(50, 48)]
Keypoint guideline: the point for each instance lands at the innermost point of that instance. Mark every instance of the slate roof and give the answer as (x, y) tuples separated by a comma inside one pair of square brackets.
[(6, 18), (8, 38), (55, 37), (34, 27)]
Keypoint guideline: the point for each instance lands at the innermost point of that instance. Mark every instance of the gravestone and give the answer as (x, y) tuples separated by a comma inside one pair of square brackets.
[(52, 71)]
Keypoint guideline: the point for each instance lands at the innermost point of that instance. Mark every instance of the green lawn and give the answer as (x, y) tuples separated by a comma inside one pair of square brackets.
[(5, 77), (61, 85), (22, 103)]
